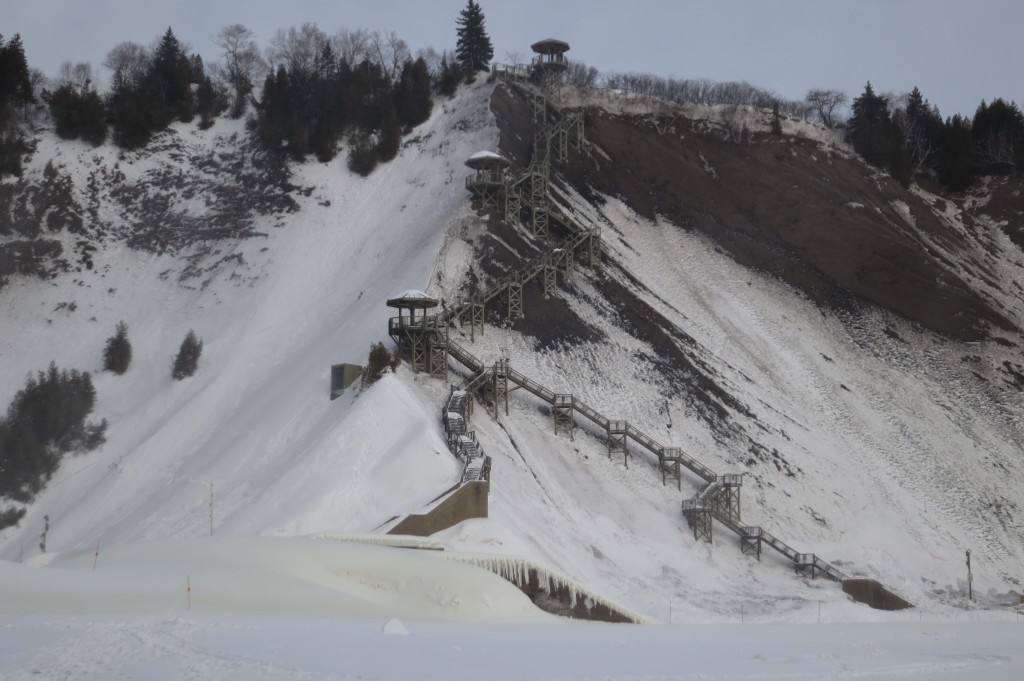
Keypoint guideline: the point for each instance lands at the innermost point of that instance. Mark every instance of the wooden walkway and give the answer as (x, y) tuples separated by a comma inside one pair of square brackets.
[(718, 498)]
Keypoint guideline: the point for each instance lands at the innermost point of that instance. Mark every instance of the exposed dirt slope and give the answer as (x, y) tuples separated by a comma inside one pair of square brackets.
[(821, 220)]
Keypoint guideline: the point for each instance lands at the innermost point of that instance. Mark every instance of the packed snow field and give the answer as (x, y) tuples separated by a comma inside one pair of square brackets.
[(132, 585)]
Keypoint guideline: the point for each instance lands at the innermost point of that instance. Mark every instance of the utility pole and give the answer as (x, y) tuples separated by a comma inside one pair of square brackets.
[(970, 577)]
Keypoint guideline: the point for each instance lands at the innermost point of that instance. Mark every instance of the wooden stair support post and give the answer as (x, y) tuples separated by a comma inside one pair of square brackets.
[(698, 518), (514, 297), (564, 413), (550, 279), (618, 441), (569, 262), (538, 103), (438, 348), (500, 386), (513, 203), (727, 501), (750, 542), (668, 462)]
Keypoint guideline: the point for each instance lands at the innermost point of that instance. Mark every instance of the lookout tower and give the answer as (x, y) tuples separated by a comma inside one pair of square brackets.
[(550, 56), (423, 338), (488, 182)]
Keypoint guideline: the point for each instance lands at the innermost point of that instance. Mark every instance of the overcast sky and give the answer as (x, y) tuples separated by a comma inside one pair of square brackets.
[(957, 51)]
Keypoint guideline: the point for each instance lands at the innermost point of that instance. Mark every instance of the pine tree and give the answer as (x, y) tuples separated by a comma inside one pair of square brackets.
[(448, 78), (998, 133), (187, 360), (776, 128), (93, 118), (206, 103), (922, 131), (15, 86), (117, 354), (128, 112), (169, 83), (412, 94), (390, 135), (78, 114), (956, 164), (15, 90), (868, 128), (473, 49), (45, 419)]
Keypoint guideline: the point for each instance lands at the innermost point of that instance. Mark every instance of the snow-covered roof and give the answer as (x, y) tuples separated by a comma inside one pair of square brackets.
[(550, 46), (487, 159), (412, 298)]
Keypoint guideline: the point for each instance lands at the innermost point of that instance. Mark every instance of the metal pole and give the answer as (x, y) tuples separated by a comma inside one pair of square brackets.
[(970, 577)]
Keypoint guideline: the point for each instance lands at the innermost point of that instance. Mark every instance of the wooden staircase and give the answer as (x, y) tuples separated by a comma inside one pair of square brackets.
[(528, 193)]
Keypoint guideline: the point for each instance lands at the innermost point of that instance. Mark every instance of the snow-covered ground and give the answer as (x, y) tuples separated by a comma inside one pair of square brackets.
[(877, 433), (186, 646), (289, 608)]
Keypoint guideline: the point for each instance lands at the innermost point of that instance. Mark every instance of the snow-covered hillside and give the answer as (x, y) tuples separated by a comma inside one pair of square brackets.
[(255, 421), (863, 439)]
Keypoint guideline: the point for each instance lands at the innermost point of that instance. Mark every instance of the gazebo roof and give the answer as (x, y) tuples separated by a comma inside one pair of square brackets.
[(550, 46), (412, 299), (483, 160)]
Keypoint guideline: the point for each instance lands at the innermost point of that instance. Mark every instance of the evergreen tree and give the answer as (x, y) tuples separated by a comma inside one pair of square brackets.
[(378, 361), (15, 85), (78, 114), (449, 77), (117, 354), (390, 135), (473, 49), (776, 127), (898, 159), (362, 156), (922, 130), (998, 134), (92, 118), (15, 91), (869, 127), (45, 420), (169, 83), (187, 360), (956, 163), (206, 103), (128, 112), (412, 94)]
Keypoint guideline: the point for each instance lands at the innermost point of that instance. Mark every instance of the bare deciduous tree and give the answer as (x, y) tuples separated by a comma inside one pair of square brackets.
[(825, 103), (352, 46), (78, 76), (581, 75), (297, 48), (83, 75), (432, 58), (513, 57), (241, 53), (128, 63), (389, 52)]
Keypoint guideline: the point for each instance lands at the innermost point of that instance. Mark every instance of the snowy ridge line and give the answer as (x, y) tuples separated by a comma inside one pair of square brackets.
[(520, 570), (398, 541)]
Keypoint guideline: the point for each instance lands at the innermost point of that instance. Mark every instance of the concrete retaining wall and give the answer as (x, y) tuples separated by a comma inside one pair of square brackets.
[(873, 594), (467, 501)]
